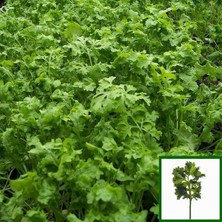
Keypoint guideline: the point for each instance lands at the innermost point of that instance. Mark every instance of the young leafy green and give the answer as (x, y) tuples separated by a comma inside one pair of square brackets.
[(92, 92), (186, 182)]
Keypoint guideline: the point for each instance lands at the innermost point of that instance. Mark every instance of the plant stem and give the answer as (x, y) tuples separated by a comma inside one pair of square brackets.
[(153, 218), (190, 199), (190, 209)]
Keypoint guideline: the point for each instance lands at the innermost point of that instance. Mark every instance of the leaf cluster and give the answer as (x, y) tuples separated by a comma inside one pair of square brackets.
[(186, 181)]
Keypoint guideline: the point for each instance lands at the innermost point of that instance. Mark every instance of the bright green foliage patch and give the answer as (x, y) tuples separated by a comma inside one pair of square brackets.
[(92, 92)]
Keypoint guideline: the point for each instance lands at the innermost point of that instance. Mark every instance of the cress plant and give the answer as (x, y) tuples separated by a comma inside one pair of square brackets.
[(186, 182), (92, 92)]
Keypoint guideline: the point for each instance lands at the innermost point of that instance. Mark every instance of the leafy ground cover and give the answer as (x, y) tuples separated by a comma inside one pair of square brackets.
[(92, 92)]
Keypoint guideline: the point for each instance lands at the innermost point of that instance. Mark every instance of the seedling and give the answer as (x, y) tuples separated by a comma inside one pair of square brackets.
[(186, 182)]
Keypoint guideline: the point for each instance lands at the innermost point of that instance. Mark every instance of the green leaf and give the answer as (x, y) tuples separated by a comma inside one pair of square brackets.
[(34, 216), (73, 218), (104, 192), (72, 30), (155, 209), (46, 192), (26, 185)]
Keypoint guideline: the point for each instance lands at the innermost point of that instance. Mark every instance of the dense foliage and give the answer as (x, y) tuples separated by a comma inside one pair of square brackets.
[(92, 92)]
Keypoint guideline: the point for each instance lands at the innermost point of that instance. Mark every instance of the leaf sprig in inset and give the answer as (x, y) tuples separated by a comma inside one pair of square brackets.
[(186, 182)]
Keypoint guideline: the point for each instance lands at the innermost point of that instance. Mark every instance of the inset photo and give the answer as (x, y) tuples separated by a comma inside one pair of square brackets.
[(190, 188)]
